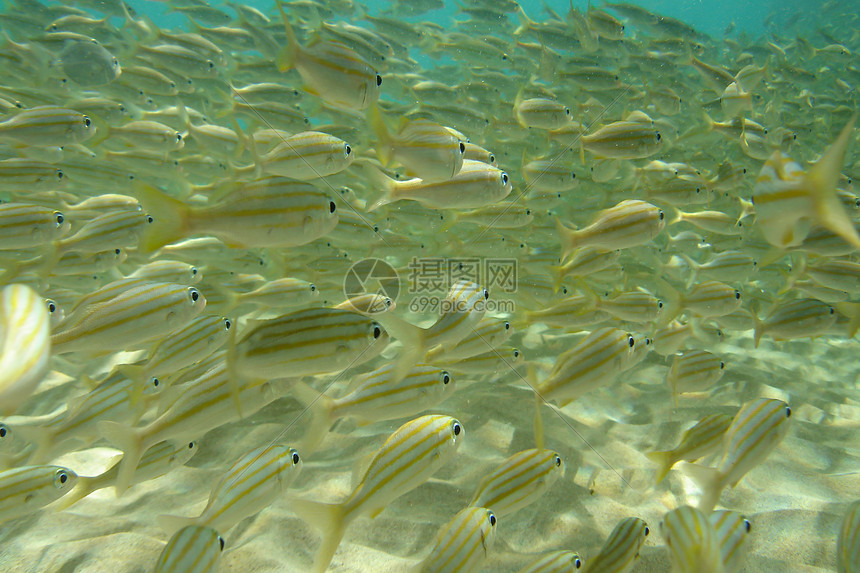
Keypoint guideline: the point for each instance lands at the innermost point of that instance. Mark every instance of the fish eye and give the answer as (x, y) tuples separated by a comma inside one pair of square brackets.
[(378, 80), (647, 531), (658, 136), (787, 412), (347, 148), (155, 382), (377, 332), (227, 324), (486, 294), (659, 304), (87, 121), (616, 79), (211, 64), (313, 287), (58, 217), (52, 308), (567, 111), (331, 207), (507, 325), (630, 340), (149, 219), (504, 178), (59, 174), (195, 294), (445, 377), (516, 353), (3, 431), (295, 457), (221, 542), (722, 365), (647, 342), (492, 519), (60, 478), (190, 445), (747, 525), (492, 158), (737, 295), (117, 251), (577, 562), (462, 147), (457, 428), (831, 310), (193, 271), (661, 215), (557, 461)]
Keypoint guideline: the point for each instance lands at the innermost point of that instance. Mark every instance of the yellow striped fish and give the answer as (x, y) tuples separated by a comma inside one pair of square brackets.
[(756, 430), (732, 531), (700, 440), (789, 200), (424, 148), (157, 461), (489, 334), (25, 345), (461, 546), (595, 360), (24, 226), (541, 113), (251, 484), (694, 371), (407, 459), (621, 549), (796, 318), (48, 126), (554, 562), (307, 155), (136, 315), (192, 549), (693, 544), (518, 481), (630, 223), (201, 337), (270, 212), (24, 490), (308, 342), (107, 231), (848, 542), (500, 360), (623, 140), (331, 70), (475, 185)]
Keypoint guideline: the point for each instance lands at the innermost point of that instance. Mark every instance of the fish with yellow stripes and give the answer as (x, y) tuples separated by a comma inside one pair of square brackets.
[(462, 545), (555, 562), (732, 531), (26, 489), (518, 481), (700, 440), (628, 224), (25, 345), (789, 200), (136, 315), (412, 454), (251, 484), (756, 430), (692, 541), (621, 549), (192, 549), (269, 212)]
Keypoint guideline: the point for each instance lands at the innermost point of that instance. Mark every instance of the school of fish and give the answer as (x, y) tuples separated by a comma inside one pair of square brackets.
[(503, 271)]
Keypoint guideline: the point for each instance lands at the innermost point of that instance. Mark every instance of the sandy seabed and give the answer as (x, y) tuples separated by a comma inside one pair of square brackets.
[(795, 500)]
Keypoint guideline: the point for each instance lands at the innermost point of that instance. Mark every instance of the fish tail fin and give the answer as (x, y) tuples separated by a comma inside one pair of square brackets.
[(694, 270), (383, 136), (321, 409), (758, 329), (557, 272), (852, 311), (526, 23), (286, 58), (664, 461), (330, 520), (821, 181), (173, 523), (387, 184), (129, 441), (567, 237), (710, 481), (170, 217)]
